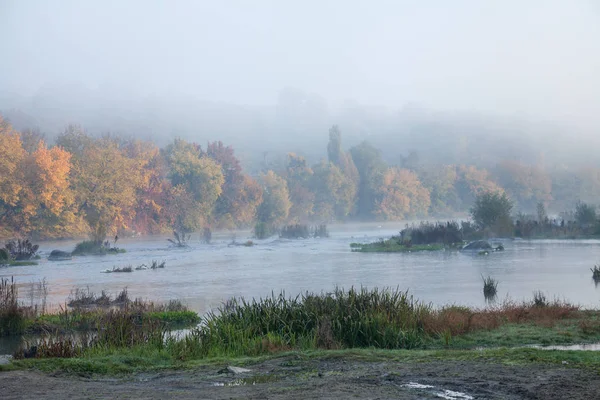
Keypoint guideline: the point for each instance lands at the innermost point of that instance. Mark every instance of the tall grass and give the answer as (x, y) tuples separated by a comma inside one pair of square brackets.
[(429, 233), (12, 318), (354, 318), (389, 319)]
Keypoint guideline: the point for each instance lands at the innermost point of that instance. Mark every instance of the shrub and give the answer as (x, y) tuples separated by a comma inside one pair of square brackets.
[(492, 209)]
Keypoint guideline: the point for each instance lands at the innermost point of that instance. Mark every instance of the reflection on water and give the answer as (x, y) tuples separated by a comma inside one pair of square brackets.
[(204, 276)]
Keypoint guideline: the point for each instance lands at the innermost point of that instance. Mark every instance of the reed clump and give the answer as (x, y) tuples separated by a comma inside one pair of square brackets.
[(490, 287)]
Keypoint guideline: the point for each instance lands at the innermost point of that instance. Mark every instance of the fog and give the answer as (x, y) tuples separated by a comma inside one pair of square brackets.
[(509, 71)]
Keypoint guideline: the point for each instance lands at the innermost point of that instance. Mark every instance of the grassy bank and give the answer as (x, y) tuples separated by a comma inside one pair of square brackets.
[(309, 324)]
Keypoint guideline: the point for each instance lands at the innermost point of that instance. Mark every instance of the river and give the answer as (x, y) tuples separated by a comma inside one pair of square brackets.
[(203, 276)]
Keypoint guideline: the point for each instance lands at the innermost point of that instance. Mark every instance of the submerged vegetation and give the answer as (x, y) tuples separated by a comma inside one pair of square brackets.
[(93, 248)]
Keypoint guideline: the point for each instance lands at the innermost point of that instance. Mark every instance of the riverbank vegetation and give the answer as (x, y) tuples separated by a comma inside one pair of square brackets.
[(341, 320)]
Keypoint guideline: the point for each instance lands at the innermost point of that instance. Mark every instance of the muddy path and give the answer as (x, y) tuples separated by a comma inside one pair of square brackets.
[(293, 378)]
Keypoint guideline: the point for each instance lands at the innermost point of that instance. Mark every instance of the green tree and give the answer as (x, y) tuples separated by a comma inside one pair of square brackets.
[(198, 176), (491, 209), (298, 176), (371, 169), (585, 214), (334, 192)]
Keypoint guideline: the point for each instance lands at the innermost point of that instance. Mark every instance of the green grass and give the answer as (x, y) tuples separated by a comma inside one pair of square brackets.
[(392, 246), (138, 360)]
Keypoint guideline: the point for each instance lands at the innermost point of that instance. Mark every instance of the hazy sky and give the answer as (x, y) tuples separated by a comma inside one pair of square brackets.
[(538, 58)]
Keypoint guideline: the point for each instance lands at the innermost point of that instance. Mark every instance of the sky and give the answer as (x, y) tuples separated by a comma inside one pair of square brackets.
[(536, 58)]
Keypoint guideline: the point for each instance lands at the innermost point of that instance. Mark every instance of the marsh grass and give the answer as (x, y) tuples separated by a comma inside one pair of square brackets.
[(393, 245), (12, 318)]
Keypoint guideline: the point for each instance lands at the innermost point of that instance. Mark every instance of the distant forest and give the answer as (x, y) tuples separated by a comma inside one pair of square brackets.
[(81, 182)]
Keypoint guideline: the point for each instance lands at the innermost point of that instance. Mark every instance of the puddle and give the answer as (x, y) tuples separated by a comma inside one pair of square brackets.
[(249, 381), (443, 393), (587, 347)]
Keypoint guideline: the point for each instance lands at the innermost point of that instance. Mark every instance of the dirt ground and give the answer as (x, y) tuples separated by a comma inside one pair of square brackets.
[(292, 378)]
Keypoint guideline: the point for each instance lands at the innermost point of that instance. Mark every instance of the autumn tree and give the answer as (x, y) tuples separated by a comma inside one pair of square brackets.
[(402, 196), (237, 204), (152, 189), (12, 182), (472, 182), (526, 184), (105, 183)]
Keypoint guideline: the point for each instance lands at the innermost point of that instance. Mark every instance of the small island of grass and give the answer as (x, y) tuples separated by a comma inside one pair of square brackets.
[(424, 237), (95, 248), (393, 246)]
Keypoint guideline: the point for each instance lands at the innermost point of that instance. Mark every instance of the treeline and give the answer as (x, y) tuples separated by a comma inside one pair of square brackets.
[(101, 186)]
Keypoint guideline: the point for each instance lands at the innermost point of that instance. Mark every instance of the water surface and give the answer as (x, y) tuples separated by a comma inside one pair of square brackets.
[(203, 276)]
